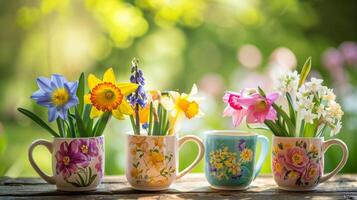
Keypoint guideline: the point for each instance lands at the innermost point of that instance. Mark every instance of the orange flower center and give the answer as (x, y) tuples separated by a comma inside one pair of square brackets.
[(106, 97), (297, 158), (66, 160), (84, 149)]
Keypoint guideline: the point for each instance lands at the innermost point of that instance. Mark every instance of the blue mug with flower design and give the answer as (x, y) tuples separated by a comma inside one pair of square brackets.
[(230, 158)]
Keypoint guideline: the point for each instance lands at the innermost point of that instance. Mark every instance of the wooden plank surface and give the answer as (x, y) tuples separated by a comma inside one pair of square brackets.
[(193, 186)]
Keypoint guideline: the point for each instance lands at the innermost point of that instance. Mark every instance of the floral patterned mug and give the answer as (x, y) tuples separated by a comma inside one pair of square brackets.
[(298, 163), (230, 158), (77, 163), (152, 161)]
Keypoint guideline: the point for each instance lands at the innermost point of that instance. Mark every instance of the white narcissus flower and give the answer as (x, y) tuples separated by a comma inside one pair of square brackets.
[(308, 116), (321, 112), (329, 96), (315, 84), (288, 83), (334, 110)]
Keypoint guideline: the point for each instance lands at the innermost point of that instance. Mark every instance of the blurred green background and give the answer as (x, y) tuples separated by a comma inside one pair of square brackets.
[(218, 44)]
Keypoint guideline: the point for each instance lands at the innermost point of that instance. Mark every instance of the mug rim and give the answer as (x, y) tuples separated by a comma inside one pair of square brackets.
[(298, 138), (230, 133), (80, 138), (130, 134)]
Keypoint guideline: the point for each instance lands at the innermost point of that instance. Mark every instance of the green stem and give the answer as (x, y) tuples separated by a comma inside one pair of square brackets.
[(150, 118), (137, 119)]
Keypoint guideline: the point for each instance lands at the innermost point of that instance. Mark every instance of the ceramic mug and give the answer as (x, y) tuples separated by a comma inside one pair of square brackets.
[(77, 163), (152, 161), (298, 163), (230, 158)]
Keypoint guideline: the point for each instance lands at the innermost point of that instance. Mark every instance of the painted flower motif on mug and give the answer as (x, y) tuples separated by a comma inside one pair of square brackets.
[(74, 158), (298, 162)]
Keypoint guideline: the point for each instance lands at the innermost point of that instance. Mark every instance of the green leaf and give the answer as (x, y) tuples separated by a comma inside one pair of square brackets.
[(305, 71), (72, 127), (80, 125), (81, 180), (291, 108), (92, 179), (150, 118), (277, 130), (286, 118), (38, 120), (261, 92), (132, 121), (61, 128), (102, 123), (80, 93), (163, 121)]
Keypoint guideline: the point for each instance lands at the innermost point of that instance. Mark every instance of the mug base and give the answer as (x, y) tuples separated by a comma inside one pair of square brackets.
[(152, 189), (77, 189), (297, 189), (228, 187)]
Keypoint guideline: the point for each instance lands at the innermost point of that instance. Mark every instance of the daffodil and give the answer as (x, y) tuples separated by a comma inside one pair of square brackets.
[(183, 105), (108, 96)]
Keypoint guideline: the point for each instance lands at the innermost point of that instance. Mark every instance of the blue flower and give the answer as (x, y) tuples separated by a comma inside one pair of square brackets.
[(139, 96), (57, 94)]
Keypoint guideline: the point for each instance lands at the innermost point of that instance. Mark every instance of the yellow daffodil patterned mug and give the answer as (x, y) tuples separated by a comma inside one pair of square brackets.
[(152, 161)]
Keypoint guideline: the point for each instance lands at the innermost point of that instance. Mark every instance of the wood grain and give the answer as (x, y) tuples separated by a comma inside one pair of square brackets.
[(193, 186)]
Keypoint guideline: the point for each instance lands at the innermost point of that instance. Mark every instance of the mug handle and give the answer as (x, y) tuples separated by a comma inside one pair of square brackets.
[(201, 150), (263, 154), (48, 145), (326, 145)]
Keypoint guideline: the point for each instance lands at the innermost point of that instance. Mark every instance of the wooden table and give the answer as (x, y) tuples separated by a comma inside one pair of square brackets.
[(193, 186)]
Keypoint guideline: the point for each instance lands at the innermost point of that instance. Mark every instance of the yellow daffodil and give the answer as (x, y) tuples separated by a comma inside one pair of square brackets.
[(181, 106), (108, 96)]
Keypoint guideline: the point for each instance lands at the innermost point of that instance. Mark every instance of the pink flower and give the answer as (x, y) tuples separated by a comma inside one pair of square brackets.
[(88, 147), (278, 166), (296, 159), (68, 157), (99, 166), (312, 172), (234, 108), (259, 108)]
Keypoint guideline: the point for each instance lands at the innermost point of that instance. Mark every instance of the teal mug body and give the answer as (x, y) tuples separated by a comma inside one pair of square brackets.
[(230, 158)]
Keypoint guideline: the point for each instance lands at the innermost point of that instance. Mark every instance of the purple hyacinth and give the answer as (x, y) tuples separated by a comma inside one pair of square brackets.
[(139, 97), (57, 94)]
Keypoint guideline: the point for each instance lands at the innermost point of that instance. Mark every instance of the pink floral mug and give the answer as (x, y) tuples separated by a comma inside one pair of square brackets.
[(77, 163), (298, 163), (152, 160)]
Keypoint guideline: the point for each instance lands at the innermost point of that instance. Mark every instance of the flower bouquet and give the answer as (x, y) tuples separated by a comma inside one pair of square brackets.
[(298, 128), (78, 144), (152, 148)]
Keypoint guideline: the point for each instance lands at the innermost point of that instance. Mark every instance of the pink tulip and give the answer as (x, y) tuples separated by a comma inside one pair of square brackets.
[(259, 108), (234, 108)]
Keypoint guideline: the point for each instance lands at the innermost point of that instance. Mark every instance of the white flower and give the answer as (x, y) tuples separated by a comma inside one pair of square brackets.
[(314, 85), (335, 130), (321, 112), (288, 83), (308, 116), (334, 110), (329, 96)]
